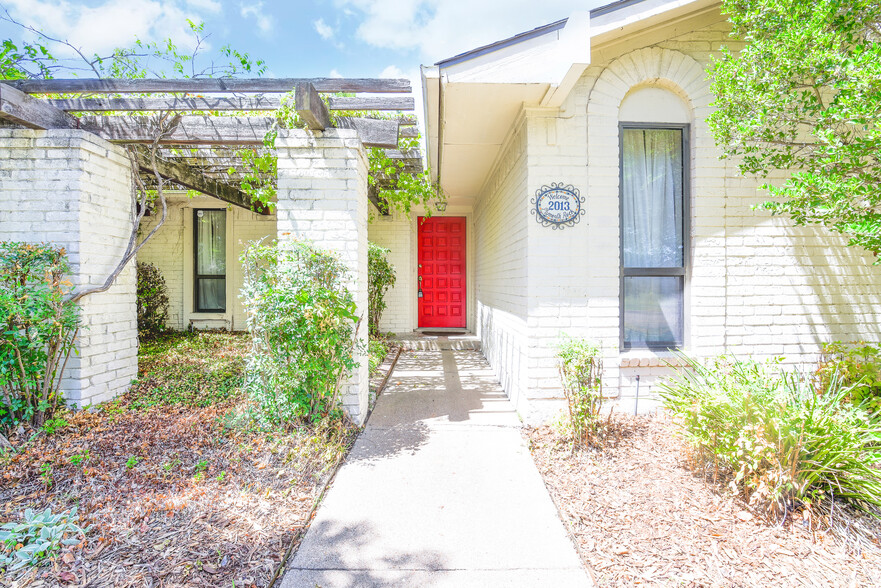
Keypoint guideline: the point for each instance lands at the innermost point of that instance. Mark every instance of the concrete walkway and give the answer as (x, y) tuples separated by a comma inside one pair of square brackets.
[(439, 490)]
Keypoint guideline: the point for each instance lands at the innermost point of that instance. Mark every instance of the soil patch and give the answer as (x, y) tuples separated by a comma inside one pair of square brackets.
[(639, 516), (178, 482)]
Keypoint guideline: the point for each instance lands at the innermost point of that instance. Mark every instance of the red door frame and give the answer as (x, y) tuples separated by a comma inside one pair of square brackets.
[(441, 257)]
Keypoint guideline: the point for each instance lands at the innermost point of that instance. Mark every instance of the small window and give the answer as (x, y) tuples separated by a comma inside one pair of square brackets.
[(210, 262), (654, 251)]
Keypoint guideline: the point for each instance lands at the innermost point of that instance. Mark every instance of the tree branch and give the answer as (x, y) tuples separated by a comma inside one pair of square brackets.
[(165, 125)]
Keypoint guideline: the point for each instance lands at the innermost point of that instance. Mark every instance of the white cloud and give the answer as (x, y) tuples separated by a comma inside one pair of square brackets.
[(334, 74), (324, 30), (438, 29), (206, 5), (392, 71), (261, 17), (102, 28)]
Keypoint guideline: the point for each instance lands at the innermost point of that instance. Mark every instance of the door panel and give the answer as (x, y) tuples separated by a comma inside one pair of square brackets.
[(442, 272)]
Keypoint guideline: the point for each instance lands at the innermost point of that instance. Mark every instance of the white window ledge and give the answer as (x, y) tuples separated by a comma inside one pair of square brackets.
[(647, 358)]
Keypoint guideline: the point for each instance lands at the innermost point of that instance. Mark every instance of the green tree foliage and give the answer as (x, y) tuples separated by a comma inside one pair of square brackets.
[(38, 324), (302, 322), (380, 277), (152, 294), (804, 94), (24, 60)]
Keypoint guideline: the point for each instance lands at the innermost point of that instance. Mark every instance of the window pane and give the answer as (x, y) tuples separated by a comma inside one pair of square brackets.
[(651, 198), (212, 294), (211, 242), (653, 311)]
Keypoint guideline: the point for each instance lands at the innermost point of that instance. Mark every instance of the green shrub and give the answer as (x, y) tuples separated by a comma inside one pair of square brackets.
[(377, 349), (38, 326), (783, 443), (380, 277), (581, 372), (40, 536), (857, 365), (152, 294), (301, 319)]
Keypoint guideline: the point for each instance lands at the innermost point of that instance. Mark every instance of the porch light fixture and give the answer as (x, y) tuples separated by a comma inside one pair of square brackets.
[(441, 206)]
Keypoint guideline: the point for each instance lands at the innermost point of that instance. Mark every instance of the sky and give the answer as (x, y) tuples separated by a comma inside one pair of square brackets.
[(298, 38)]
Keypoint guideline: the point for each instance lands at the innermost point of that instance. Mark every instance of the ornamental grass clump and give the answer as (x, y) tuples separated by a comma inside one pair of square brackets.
[(303, 327), (581, 372), (783, 444)]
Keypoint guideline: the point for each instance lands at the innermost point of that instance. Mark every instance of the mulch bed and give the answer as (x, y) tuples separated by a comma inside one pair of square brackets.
[(175, 495), (639, 516)]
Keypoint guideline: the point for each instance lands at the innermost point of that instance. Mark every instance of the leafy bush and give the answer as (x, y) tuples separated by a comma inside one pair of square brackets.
[(377, 349), (784, 444), (380, 277), (38, 325), (581, 371), (301, 318), (152, 293), (37, 538), (857, 365)]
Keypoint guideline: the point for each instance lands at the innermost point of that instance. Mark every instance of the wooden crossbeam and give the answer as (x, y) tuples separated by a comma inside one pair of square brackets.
[(192, 130), (310, 108), (190, 178), (229, 131), (208, 85), (373, 132), (227, 103), (21, 109)]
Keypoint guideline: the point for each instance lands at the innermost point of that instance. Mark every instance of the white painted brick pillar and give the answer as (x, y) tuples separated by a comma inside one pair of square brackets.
[(73, 189), (322, 197)]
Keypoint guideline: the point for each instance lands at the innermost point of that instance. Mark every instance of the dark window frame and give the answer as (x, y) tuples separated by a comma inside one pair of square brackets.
[(682, 272), (197, 277)]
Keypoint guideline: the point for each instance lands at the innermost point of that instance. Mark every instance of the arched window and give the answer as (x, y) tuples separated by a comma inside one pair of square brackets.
[(654, 190)]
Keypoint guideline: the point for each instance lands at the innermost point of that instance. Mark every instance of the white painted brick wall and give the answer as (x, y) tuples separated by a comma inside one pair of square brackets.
[(322, 196), (758, 286), (73, 189), (171, 250), (397, 233), (500, 237)]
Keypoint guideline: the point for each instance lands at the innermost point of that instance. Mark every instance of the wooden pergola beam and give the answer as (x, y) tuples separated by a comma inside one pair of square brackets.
[(228, 131), (226, 103), (210, 85), (21, 109), (188, 177), (310, 108), (373, 132), (192, 130)]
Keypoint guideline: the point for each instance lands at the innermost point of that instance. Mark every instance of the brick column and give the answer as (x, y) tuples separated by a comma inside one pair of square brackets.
[(73, 189), (322, 197)]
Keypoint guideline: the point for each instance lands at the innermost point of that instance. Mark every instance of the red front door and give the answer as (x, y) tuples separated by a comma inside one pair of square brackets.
[(442, 272)]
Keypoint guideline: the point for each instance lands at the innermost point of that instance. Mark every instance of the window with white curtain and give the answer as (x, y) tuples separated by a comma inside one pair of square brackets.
[(210, 261), (654, 251)]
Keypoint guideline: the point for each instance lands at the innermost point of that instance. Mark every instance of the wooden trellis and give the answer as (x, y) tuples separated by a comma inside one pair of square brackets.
[(200, 152)]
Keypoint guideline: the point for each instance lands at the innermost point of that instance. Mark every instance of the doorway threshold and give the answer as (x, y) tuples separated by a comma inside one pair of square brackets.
[(438, 339)]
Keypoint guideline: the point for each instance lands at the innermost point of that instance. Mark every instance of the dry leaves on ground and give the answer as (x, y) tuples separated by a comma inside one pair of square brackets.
[(175, 495), (640, 517)]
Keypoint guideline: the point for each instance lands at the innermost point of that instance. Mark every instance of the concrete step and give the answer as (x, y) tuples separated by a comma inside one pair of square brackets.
[(438, 342)]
